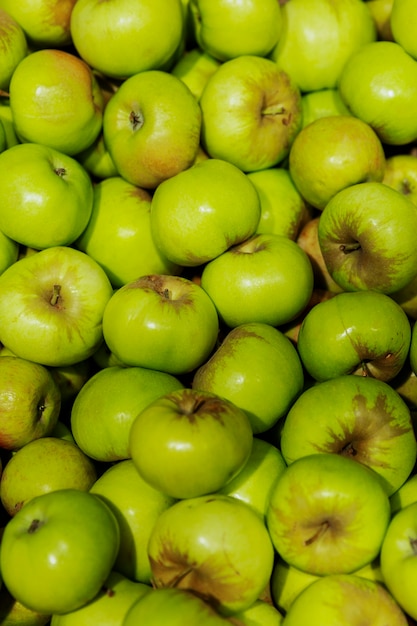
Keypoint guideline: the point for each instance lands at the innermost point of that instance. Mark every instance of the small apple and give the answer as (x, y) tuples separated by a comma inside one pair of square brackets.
[(251, 113), (43, 465), (7, 121), (194, 68), (56, 100), (258, 369), (216, 546), (189, 443), (127, 37), (358, 332), (96, 160), (104, 409), (366, 235), (13, 47), (363, 88), (398, 558), (405, 495), (413, 348), (333, 153), (52, 305), (328, 514), (46, 196), (58, 550), (268, 278), (322, 103), (9, 252), (358, 417), (261, 613), (121, 241), (151, 127), (166, 323), (199, 213), (401, 174), (30, 402), (402, 22)]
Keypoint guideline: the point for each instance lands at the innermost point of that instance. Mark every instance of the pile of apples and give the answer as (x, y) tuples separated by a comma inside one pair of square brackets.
[(208, 305)]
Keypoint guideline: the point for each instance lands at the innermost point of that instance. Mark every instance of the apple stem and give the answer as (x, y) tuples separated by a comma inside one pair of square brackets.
[(349, 247), (55, 295), (4, 94), (34, 525), (319, 533), (176, 581)]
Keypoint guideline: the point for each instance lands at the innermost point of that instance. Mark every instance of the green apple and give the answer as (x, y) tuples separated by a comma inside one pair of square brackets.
[(46, 23), (328, 514), (9, 252), (121, 241), (173, 607), (226, 29), (13, 47), (402, 21), (268, 278), (189, 443), (62, 431), (52, 305), (136, 506), (345, 599), (401, 174), (166, 323), (283, 209), (380, 11), (322, 103), (318, 38), (261, 613), (357, 332), (333, 153), (405, 495), (151, 127), (255, 481), (358, 417), (109, 607), (258, 369), (58, 550), (30, 402), (363, 88), (56, 100), (120, 39), (251, 113), (43, 465), (200, 212), (216, 546), (104, 409), (194, 68), (398, 558), (6, 119), (97, 161), (46, 196), (366, 235)]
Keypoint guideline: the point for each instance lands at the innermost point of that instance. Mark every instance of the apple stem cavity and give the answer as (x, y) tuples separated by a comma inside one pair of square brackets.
[(60, 171), (349, 450), (136, 120), (347, 248), (318, 534), (56, 291), (34, 526)]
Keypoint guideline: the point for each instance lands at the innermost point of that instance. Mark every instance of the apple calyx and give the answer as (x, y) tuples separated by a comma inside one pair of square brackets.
[(136, 120), (324, 526), (60, 171)]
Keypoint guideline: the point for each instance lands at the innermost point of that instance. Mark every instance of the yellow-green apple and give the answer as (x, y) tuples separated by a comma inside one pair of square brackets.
[(358, 332), (345, 599), (216, 546), (226, 29), (166, 323), (56, 100), (380, 11), (109, 607), (283, 209), (366, 235), (328, 514), (322, 103), (151, 127), (104, 409), (398, 558), (405, 495), (251, 113), (357, 417), (401, 174), (189, 443), (268, 278), (333, 153), (136, 506), (121, 241), (13, 47), (9, 252), (41, 466), (255, 481), (46, 196), (30, 402), (261, 613), (402, 21), (173, 607), (52, 305), (46, 23), (194, 68), (363, 88), (201, 212), (258, 369), (318, 38), (58, 550), (139, 35)]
